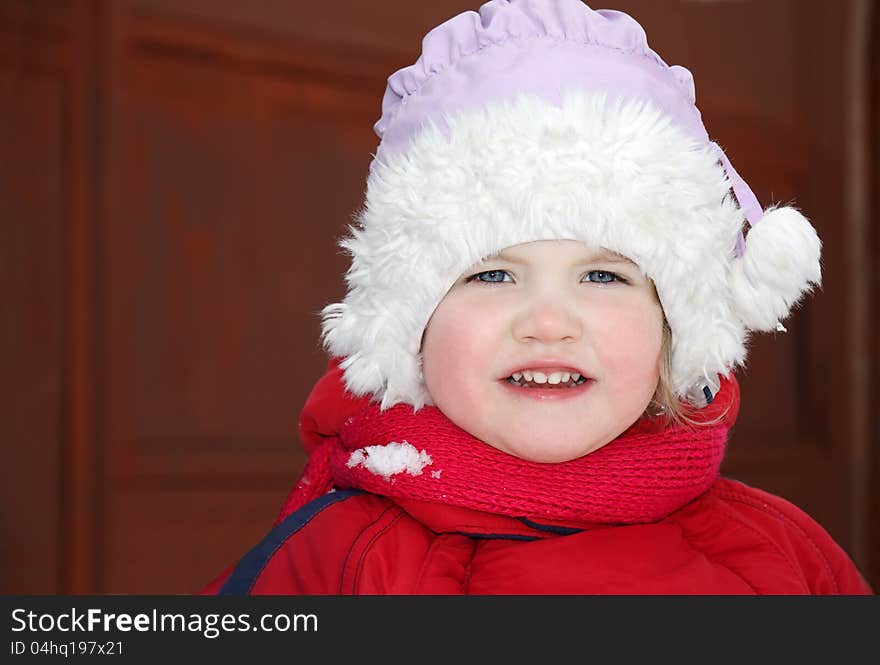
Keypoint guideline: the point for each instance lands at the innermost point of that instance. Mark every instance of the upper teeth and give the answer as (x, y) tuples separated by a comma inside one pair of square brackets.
[(541, 377)]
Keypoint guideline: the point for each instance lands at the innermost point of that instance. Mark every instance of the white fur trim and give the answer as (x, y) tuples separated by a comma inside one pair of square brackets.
[(779, 266), (610, 173)]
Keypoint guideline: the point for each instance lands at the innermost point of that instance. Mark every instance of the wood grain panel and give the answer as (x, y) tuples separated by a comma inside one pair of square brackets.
[(231, 179), (34, 176), (239, 163), (153, 532), (871, 460)]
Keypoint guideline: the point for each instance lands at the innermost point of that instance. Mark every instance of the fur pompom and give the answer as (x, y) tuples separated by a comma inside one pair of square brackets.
[(779, 266)]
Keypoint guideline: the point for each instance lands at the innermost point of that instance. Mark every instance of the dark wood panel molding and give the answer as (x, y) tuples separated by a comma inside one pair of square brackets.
[(171, 37)]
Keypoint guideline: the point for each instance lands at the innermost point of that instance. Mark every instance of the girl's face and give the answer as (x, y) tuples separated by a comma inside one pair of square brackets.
[(545, 311)]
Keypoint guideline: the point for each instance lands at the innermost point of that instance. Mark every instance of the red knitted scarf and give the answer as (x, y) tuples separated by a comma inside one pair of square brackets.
[(643, 475)]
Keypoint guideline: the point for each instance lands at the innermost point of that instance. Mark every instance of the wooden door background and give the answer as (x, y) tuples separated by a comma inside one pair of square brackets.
[(174, 175)]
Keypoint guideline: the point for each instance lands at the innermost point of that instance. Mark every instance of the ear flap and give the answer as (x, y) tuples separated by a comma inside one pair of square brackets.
[(780, 264)]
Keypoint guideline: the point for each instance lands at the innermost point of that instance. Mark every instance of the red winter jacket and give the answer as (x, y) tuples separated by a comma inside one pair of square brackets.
[(733, 539)]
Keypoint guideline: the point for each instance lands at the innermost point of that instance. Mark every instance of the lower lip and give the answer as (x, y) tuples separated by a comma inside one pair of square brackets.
[(548, 394)]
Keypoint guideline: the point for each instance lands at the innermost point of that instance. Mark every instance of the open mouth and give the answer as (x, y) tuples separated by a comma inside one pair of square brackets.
[(545, 380)]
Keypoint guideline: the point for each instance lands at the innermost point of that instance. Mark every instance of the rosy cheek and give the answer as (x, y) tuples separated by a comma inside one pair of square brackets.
[(630, 341), (457, 347)]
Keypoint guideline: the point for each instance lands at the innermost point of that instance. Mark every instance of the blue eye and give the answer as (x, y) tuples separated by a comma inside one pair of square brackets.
[(602, 277), (489, 277)]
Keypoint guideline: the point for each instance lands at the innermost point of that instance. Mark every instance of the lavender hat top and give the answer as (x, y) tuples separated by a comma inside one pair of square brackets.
[(543, 119), (579, 47), (535, 47)]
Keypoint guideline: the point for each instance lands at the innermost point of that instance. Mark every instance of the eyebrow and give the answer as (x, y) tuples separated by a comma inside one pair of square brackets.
[(605, 256)]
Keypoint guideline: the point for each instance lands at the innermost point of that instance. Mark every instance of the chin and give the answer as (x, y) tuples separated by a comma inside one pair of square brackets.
[(551, 454)]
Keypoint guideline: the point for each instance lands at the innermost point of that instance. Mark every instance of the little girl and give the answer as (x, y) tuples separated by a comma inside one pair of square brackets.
[(530, 386)]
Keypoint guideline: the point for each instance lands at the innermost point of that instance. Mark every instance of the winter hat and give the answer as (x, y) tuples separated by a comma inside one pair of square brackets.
[(541, 120)]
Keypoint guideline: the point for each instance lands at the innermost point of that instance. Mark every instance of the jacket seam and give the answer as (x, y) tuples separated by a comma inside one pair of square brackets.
[(791, 564), (775, 512), (435, 543), (720, 561), (352, 544), (742, 577), (421, 575), (470, 569), (369, 546)]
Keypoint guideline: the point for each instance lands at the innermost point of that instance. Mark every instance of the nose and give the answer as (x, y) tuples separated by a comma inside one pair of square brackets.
[(548, 321)]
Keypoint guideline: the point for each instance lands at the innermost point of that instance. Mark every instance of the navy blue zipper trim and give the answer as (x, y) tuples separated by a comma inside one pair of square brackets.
[(551, 528), (251, 565), (497, 536)]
